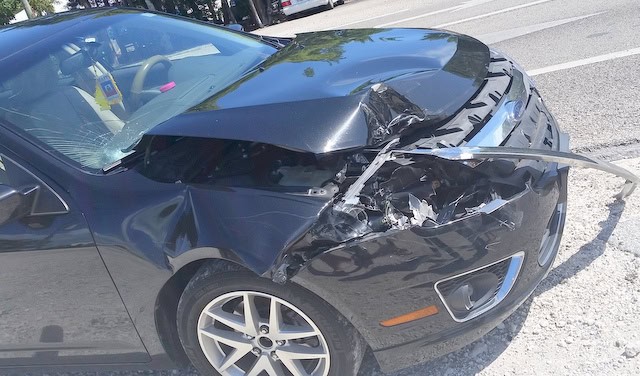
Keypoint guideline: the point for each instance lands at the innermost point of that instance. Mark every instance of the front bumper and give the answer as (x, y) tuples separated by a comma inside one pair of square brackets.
[(387, 276), (376, 278)]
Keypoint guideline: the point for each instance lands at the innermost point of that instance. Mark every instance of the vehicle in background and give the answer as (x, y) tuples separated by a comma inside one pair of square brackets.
[(291, 7), (235, 26)]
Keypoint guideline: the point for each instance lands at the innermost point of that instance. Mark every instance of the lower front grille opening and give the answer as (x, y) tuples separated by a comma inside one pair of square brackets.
[(473, 293)]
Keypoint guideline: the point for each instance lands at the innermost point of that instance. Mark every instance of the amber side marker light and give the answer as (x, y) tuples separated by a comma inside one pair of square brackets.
[(413, 316)]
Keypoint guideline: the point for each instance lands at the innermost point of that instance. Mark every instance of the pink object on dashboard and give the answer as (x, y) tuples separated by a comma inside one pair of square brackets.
[(166, 87)]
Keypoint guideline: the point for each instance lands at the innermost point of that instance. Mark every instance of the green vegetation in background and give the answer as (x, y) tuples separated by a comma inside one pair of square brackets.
[(9, 8)]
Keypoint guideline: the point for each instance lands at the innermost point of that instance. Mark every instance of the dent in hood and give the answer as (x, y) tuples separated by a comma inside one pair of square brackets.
[(346, 89)]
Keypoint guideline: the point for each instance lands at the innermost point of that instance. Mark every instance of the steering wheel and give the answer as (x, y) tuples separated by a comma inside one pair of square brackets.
[(137, 87)]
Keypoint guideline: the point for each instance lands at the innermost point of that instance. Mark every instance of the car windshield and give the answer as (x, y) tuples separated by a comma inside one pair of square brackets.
[(91, 91)]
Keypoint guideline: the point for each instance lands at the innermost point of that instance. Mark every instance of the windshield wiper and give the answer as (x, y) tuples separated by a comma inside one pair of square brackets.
[(128, 160), (278, 43)]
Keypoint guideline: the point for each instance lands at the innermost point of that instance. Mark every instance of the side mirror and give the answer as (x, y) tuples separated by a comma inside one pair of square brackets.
[(15, 204)]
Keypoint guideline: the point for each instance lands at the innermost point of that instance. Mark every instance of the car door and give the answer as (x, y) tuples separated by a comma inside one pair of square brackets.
[(58, 304)]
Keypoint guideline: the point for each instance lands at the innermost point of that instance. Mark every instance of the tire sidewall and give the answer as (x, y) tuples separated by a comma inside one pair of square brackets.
[(201, 291)]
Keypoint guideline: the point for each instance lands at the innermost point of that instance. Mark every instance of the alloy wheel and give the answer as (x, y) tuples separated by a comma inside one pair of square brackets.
[(248, 333)]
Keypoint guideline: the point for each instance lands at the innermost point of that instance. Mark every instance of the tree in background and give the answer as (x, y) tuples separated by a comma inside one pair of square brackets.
[(41, 7), (254, 13), (199, 9), (219, 11), (72, 4), (9, 8), (227, 14)]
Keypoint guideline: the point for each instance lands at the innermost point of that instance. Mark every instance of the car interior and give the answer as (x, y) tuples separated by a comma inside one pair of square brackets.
[(61, 99)]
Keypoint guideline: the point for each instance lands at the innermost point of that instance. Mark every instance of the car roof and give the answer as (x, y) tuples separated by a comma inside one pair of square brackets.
[(17, 37)]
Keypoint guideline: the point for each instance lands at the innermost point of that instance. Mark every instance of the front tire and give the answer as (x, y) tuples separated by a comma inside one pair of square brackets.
[(239, 324)]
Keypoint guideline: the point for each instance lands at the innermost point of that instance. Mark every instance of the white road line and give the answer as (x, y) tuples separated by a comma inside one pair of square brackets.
[(413, 18), (465, 5), (491, 13), (371, 19), (587, 61), (503, 35)]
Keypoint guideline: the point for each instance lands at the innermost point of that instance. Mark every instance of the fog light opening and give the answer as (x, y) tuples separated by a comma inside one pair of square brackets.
[(473, 293)]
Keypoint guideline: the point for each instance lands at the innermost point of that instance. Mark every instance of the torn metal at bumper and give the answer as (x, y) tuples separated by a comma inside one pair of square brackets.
[(422, 213), (482, 153), (575, 160)]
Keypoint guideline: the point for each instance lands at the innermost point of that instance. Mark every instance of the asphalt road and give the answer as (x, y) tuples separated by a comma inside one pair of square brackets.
[(584, 55)]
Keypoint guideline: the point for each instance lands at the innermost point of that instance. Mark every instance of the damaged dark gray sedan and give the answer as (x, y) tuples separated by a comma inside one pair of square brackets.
[(176, 192)]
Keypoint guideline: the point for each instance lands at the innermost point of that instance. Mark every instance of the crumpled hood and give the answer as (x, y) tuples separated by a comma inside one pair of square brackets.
[(345, 89)]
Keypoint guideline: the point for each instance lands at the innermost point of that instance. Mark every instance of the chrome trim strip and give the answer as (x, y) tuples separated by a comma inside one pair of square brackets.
[(496, 129), (510, 109), (509, 281), (576, 160)]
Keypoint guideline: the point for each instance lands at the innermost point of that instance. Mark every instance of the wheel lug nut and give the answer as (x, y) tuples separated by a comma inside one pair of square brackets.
[(264, 329), (280, 343), (256, 351), (274, 356)]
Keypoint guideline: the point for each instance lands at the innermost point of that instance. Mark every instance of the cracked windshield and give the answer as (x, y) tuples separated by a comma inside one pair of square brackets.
[(93, 92)]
